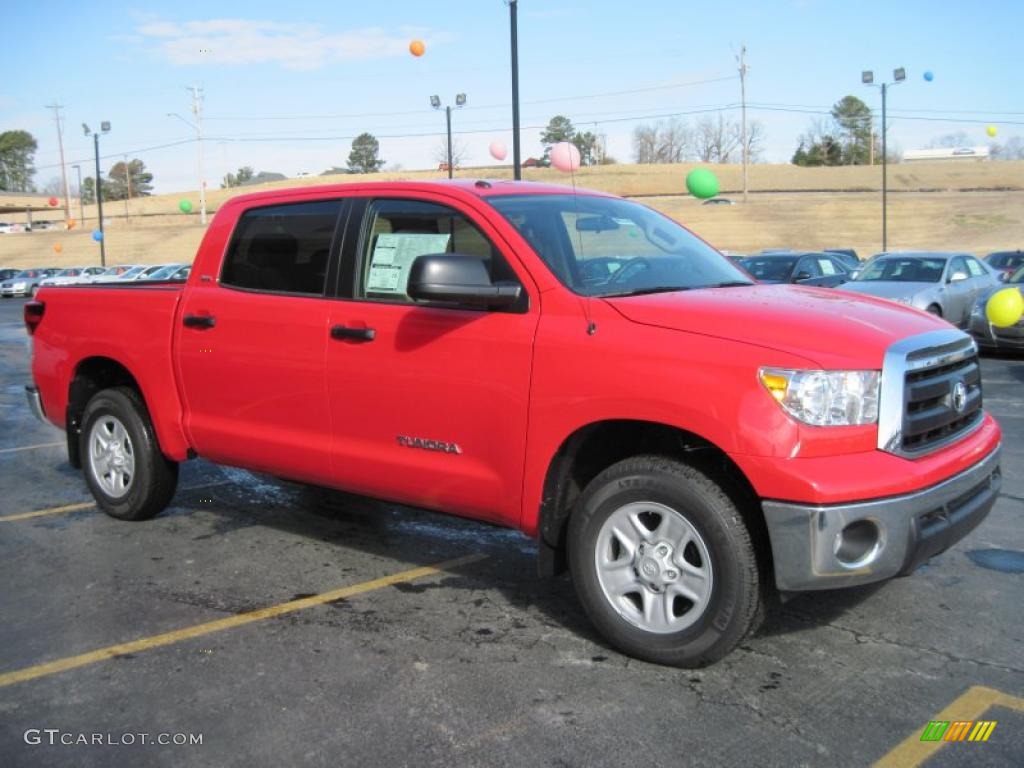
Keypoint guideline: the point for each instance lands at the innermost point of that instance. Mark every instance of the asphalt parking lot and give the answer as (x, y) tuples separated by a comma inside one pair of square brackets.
[(399, 637)]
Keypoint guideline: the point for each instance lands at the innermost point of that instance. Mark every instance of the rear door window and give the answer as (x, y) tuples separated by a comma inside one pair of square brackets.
[(283, 248)]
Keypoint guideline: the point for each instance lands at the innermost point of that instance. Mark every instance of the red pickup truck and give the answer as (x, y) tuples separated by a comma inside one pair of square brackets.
[(568, 363)]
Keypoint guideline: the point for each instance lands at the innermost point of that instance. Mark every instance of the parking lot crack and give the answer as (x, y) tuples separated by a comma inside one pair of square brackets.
[(864, 637)]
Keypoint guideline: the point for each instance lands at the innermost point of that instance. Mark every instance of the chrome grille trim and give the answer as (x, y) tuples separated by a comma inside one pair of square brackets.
[(934, 349)]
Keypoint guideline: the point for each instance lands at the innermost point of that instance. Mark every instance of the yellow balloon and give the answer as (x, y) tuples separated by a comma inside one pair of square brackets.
[(57, 247), (1005, 308), (991, 131)]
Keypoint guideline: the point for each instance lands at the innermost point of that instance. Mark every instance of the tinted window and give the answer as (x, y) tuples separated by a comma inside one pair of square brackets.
[(808, 265), (283, 248), (397, 231), (903, 270), (976, 269), (957, 265), (769, 270)]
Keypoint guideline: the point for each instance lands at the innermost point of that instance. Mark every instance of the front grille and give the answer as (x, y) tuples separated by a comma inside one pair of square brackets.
[(932, 390)]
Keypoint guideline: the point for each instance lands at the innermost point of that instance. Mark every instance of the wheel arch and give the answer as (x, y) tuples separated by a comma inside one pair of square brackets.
[(592, 448)]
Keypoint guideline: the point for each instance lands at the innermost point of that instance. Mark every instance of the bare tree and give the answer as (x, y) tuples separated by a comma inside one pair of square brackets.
[(645, 143), (951, 141), (755, 141), (1011, 149), (716, 139), (53, 187), (459, 151), (674, 141)]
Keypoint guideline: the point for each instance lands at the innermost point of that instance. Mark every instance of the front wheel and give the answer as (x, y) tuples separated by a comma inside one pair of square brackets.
[(664, 563), (128, 475)]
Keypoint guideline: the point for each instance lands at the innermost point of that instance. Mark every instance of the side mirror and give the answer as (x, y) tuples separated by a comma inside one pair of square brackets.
[(801, 276), (855, 274), (956, 277), (456, 278)]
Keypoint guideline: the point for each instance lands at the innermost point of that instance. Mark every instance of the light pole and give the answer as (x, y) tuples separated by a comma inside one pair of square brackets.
[(81, 206), (435, 102), (867, 77), (197, 127), (517, 168), (104, 128)]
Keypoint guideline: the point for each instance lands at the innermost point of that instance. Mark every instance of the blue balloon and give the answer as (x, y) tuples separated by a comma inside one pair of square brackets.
[(929, 76), (97, 235)]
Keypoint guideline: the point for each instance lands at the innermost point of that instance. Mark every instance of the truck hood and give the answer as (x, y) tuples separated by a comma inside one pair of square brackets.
[(835, 330), (889, 289)]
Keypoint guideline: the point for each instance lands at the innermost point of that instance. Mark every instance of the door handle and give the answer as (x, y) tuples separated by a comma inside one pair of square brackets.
[(341, 332), (199, 321)]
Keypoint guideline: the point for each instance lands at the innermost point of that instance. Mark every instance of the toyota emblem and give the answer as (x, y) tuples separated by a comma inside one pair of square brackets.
[(959, 397)]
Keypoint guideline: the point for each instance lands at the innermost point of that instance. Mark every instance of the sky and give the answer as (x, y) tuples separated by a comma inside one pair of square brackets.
[(287, 85)]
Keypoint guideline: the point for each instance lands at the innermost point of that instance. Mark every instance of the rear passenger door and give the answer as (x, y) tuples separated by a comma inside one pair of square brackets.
[(428, 402), (251, 344)]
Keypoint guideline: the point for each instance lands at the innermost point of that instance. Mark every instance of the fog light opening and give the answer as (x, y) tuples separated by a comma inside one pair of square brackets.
[(858, 543)]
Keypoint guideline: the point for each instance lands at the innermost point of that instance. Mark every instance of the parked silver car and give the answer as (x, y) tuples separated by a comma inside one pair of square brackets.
[(945, 284), (170, 272), (111, 273), (71, 276), (986, 334), (25, 283)]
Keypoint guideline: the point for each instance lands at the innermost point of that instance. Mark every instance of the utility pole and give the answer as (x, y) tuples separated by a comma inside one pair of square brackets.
[(128, 182), (517, 168), (63, 171), (885, 186), (744, 149), (81, 205), (448, 117), (197, 112)]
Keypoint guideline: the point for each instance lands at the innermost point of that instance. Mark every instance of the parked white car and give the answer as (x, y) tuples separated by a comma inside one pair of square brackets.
[(111, 273), (71, 276)]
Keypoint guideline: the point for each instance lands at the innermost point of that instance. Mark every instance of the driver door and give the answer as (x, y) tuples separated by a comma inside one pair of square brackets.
[(430, 399), (958, 292)]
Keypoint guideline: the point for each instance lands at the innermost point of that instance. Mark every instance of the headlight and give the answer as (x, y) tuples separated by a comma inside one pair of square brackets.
[(18, 286), (825, 398)]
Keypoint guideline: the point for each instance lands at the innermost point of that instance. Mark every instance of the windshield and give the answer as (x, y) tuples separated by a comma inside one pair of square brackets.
[(165, 273), (769, 270), (605, 246), (1006, 260), (69, 273), (30, 273), (1017, 277), (133, 272), (903, 271)]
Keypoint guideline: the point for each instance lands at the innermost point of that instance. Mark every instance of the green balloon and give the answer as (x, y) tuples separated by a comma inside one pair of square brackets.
[(702, 183), (185, 206)]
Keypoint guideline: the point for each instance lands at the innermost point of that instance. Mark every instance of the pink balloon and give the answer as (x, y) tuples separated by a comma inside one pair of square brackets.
[(498, 150), (565, 156)]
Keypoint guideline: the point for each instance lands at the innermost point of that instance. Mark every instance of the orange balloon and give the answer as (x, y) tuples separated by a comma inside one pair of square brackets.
[(57, 247), (417, 48), (71, 223)]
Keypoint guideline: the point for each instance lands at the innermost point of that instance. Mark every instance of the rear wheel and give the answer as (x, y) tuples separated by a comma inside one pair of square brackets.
[(663, 562), (934, 309), (128, 475)]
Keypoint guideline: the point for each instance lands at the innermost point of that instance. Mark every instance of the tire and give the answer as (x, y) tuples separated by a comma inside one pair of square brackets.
[(934, 309), (131, 480), (717, 565)]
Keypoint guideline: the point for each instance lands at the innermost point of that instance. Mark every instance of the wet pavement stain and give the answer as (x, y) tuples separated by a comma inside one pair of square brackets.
[(1003, 560)]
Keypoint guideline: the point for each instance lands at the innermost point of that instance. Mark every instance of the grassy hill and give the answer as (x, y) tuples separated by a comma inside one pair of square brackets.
[(976, 207)]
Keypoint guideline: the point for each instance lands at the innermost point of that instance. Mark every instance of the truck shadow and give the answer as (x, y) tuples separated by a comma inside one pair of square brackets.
[(419, 537)]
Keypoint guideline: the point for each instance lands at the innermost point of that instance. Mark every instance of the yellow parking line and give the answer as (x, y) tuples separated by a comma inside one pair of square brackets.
[(50, 511), (30, 447), (239, 620), (84, 505), (970, 705)]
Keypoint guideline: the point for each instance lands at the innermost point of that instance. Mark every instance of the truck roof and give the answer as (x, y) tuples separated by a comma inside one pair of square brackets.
[(477, 187)]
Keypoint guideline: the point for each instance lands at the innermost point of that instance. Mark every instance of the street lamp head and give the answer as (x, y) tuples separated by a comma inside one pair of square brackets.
[(435, 102), (460, 99), (85, 129), (105, 126), (867, 77), (899, 75)]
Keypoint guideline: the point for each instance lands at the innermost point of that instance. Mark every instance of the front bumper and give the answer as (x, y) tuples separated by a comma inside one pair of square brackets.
[(35, 402), (988, 336), (842, 545)]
